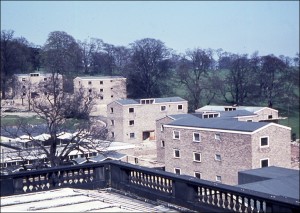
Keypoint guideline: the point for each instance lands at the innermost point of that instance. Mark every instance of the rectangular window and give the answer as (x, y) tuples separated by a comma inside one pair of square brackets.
[(218, 157), (90, 83), (45, 79), (112, 134), (180, 107), (218, 178), (112, 122), (136, 160), (197, 175), (23, 79), (111, 96), (264, 163), (197, 156), (163, 108), (131, 110), (196, 137), (101, 90), (90, 98), (101, 82), (131, 122), (162, 144), (270, 117), (249, 120), (177, 171), (111, 110), (205, 116), (24, 87), (24, 93), (176, 135), (90, 90), (217, 136), (162, 128), (101, 97), (131, 135), (176, 153), (264, 141)]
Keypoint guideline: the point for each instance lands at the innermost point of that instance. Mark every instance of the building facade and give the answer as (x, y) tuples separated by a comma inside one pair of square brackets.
[(102, 90), (135, 120), (216, 149)]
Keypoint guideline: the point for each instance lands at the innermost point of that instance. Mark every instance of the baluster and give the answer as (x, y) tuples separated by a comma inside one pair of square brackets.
[(243, 206), (210, 199), (249, 203), (237, 204), (231, 204), (205, 195), (226, 203), (221, 200), (215, 197)]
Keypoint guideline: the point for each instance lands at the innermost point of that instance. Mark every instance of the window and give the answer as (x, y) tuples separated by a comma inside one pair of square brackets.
[(24, 87), (217, 136), (176, 153), (162, 144), (270, 117), (45, 93), (101, 90), (264, 163), (112, 122), (249, 120), (101, 82), (196, 137), (112, 88), (264, 141), (176, 135), (112, 134), (23, 79), (111, 110), (197, 157), (45, 79), (218, 178), (177, 171), (136, 160), (218, 157), (111, 96), (131, 122), (90, 90), (205, 116), (197, 175), (89, 82), (162, 128), (163, 108), (24, 93), (131, 135), (90, 98), (101, 97), (131, 110), (179, 107)]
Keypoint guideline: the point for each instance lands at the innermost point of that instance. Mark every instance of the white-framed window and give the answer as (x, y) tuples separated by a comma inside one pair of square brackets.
[(163, 108), (176, 153), (217, 136), (270, 116), (90, 83), (179, 107), (196, 137), (45, 79), (162, 143), (132, 135), (197, 156), (197, 175), (112, 122), (131, 110), (264, 162), (136, 160), (176, 135), (111, 110), (264, 141), (177, 171), (101, 90), (101, 82), (23, 79), (218, 178), (218, 157), (131, 123), (162, 128)]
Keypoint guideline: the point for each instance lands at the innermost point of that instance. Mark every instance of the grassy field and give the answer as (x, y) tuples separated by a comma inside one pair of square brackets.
[(9, 120), (292, 120)]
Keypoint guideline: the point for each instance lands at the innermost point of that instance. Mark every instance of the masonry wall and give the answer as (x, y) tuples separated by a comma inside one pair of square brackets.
[(144, 117), (115, 114), (235, 150), (279, 150)]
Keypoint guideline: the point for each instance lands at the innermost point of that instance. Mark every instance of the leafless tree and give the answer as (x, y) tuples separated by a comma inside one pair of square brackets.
[(55, 108)]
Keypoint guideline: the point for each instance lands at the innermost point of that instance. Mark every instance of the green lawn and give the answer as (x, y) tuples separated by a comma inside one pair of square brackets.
[(292, 120)]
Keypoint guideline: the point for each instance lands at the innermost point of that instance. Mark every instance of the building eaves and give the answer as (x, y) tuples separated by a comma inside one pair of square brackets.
[(100, 77)]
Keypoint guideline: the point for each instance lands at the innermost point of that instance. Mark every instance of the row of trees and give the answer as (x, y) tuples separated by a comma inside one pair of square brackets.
[(154, 70)]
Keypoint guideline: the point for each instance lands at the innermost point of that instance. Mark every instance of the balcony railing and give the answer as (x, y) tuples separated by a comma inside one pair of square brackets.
[(156, 185)]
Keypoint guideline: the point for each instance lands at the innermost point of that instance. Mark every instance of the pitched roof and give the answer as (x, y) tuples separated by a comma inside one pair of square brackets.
[(217, 123), (156, 100)]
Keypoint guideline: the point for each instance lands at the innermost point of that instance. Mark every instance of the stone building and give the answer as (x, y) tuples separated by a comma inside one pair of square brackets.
[(217, 149), (102, 90), (134, 120)]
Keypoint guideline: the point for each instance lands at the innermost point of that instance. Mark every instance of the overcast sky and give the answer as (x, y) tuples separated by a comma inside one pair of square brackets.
[(270, 27)]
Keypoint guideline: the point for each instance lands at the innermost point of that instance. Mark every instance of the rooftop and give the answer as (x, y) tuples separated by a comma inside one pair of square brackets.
[(156, 100), (252, 109), (95, 77)]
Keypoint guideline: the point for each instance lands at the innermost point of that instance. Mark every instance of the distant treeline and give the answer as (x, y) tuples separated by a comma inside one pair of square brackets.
[(202, 76)]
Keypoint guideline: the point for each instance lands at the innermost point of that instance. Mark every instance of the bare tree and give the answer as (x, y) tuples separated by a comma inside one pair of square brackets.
[(54, 109)]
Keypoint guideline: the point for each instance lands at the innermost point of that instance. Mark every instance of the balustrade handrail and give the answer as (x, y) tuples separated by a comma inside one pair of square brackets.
[(187, 180)]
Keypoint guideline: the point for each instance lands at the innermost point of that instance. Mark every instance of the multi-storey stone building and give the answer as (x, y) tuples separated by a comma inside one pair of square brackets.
[(242, 113), (134, 120), (102, 90), (216, 149)]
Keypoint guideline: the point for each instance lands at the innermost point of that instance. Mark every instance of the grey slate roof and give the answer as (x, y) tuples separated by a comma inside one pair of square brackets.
[(236, 113), (217, 123), (281, 181), (157, 100), (180, 116)]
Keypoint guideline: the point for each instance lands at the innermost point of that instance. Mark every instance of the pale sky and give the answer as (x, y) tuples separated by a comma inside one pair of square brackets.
[(269, 27)]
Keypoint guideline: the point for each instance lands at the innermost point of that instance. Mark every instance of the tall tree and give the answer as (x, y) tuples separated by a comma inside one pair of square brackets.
[(15, 58), (62, 54), (193, 69), (150, 65)]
